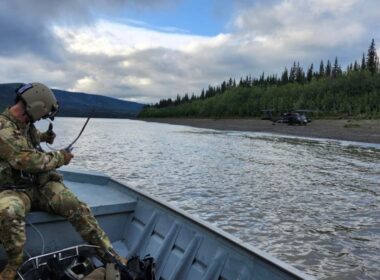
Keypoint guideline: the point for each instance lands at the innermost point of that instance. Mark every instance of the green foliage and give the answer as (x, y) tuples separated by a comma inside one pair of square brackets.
[(372, 58), (329, 93), (354, 94)]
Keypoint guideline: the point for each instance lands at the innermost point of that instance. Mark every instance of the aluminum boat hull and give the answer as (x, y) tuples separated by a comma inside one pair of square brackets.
[(138, 224)]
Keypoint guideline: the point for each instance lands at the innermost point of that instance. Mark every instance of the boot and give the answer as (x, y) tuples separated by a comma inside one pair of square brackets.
[(9, 273), (110, 258), (115, 255)]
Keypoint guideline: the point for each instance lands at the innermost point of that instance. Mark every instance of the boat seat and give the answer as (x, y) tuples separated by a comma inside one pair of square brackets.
[(101, 200), (110, 204)]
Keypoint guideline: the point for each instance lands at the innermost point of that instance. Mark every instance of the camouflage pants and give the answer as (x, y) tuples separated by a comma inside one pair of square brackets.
[(52, 197)]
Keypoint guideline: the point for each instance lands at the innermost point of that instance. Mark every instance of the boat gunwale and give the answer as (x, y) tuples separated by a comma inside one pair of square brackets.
[(229, 238), (191, 219)]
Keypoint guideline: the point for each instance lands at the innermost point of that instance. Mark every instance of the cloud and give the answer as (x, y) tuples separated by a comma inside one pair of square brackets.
[(145, 64), (25, 26), (112, 38), (304, 29), (133, 60)]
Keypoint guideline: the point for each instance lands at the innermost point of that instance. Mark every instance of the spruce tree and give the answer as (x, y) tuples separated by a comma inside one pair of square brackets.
[(293, 73), (300, 74), (321, 69), (230, 82), (186, 98), (328, 69), (310, 73), (262, 78), (177, 100), (356, 66), (223, 87), (363, 66), (372, 58), (246, 82), (336, 71), (285, 76)]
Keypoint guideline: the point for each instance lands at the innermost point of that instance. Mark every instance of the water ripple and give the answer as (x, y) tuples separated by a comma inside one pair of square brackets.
[(312, 203)]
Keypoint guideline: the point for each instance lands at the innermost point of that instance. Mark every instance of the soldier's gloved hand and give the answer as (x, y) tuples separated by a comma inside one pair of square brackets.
[(67, 156), (50, 136)]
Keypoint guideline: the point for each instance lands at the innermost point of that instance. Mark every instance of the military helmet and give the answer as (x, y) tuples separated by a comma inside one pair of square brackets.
[(39, 101)]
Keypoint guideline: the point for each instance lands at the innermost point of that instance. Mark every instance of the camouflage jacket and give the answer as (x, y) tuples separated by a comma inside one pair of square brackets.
[(18, 152)]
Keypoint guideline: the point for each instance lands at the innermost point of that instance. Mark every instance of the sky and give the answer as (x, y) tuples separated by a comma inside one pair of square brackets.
[(147, 50)]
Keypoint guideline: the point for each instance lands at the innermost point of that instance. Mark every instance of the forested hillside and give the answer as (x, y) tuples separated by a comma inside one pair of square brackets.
[(328, 92), (78, 104)]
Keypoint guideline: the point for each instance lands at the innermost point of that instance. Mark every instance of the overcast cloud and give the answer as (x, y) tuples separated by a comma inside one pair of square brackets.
[(79, 46)]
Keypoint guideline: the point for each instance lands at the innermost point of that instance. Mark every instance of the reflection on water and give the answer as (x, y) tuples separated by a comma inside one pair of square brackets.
[(314, 204)]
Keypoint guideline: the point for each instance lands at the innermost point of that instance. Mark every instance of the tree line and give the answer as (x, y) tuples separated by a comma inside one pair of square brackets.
[(327, 90)]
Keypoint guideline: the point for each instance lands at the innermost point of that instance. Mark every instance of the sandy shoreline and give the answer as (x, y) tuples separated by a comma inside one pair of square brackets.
[(367, 131)]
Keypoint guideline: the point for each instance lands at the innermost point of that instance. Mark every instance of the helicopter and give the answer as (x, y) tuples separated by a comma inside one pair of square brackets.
[(291, 117)]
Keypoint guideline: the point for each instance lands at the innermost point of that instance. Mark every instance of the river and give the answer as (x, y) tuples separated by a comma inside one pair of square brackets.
[(314, 204)]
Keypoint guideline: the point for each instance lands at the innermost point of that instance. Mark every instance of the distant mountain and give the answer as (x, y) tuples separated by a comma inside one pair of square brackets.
[(78, 104)]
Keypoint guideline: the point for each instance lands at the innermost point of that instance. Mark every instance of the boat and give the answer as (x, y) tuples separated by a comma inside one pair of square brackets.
[(183, 246)]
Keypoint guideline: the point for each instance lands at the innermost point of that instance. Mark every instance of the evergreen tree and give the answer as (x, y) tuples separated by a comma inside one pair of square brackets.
[(293, 73), (246, 82), (218, 90), (185, 99), (321, 69), (336, 71), (309, 75), (363, 66), (285, 76), (230, 82), (300, 74), (353, 94), (178, 100), (356, 66), (262, 79), (203, 94), (223, 86), (328, 69), (372, 59)]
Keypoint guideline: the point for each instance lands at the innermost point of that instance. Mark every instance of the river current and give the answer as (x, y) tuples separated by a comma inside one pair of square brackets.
[(314, 204)]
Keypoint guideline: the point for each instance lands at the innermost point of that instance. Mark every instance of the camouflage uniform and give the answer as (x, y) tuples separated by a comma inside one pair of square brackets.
[(46, 192)]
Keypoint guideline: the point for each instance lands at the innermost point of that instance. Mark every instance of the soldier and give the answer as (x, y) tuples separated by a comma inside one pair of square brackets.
[(28, 177)]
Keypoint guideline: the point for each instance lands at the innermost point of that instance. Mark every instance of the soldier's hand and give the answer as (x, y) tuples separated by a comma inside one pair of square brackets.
[(50, 136), (67, 156)]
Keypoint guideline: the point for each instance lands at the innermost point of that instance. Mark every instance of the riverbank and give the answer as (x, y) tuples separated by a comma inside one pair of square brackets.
[(349, 130)]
